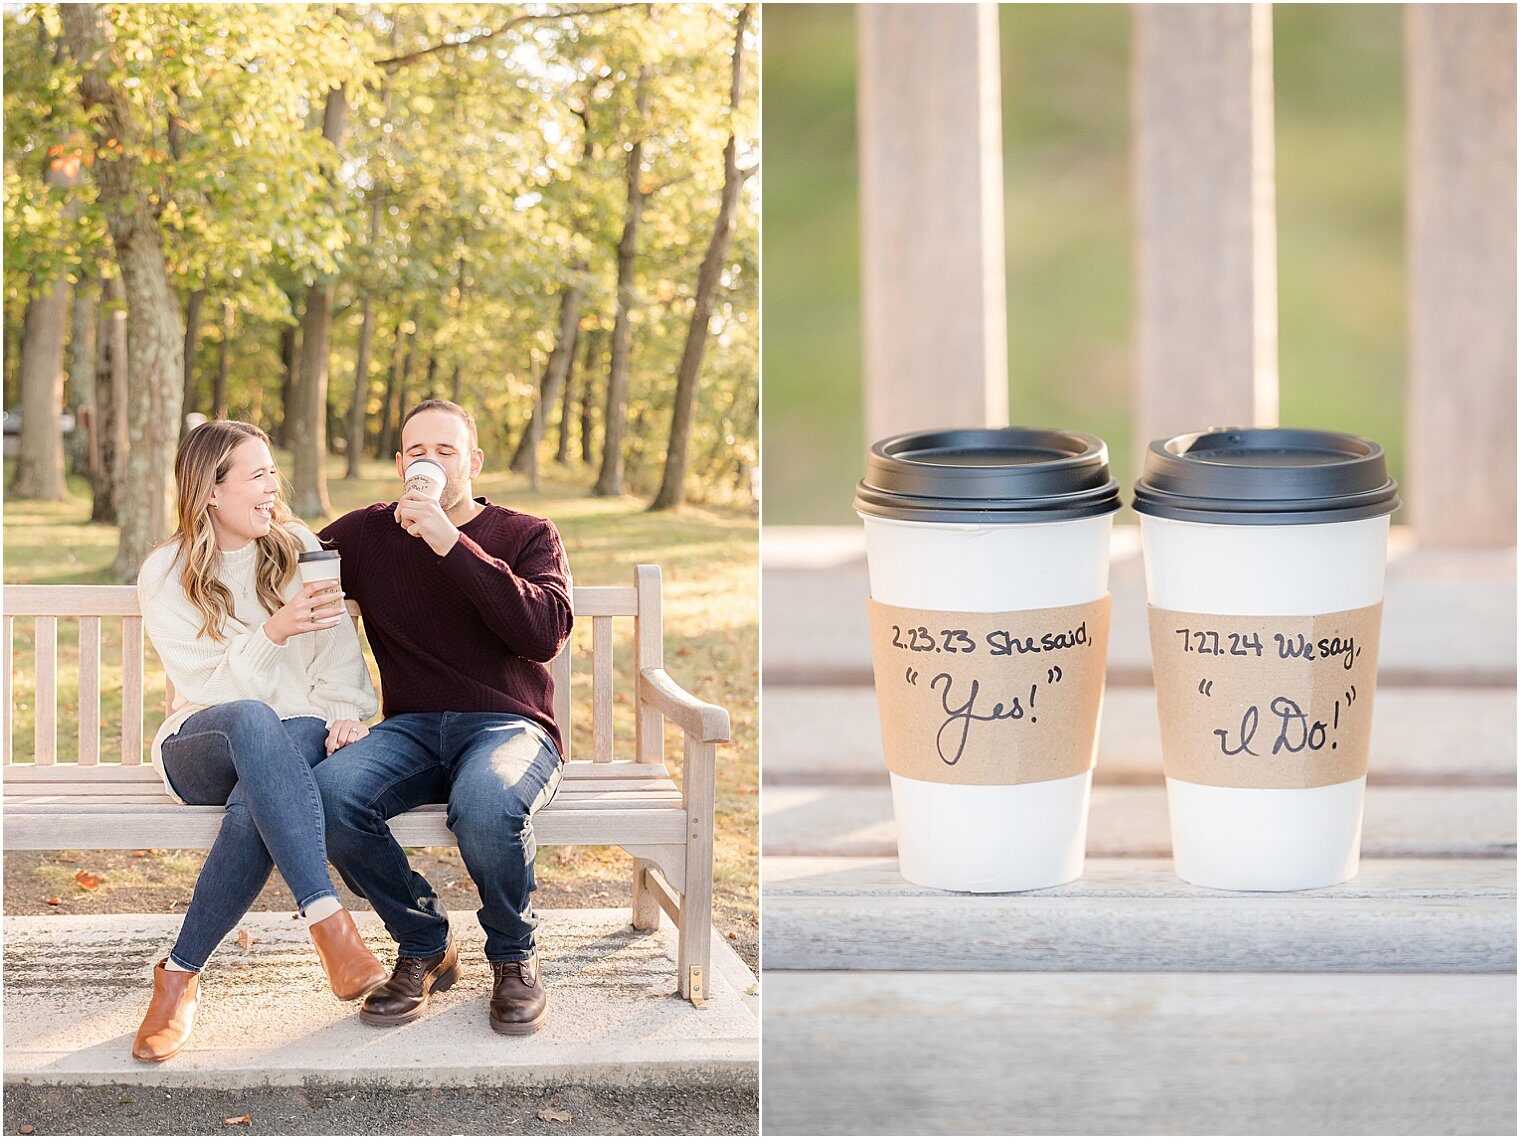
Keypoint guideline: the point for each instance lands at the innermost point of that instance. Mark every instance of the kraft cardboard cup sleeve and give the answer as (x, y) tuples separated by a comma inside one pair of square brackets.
[(988, 557), (1265, 552)]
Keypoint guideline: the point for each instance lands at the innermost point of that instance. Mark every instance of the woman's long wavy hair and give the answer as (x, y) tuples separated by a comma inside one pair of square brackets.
[(199, 465)]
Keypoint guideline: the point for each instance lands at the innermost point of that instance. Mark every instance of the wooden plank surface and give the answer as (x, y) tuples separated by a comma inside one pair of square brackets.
[(131, 690), (1115, 1053), (45, 701), (176, 826), (1460, 418), (575, 769), (8, 649), (1408, 915), (1410, 822), (648, 652), (89, 690), (1448, 617), (934, 315), (699, 781), (85, 792), (833, 735), (560, 670), (601, 687), (1205, 218)]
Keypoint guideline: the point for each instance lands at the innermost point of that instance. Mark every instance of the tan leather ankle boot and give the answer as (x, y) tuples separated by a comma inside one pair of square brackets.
[(352, 971), (171, 1013)]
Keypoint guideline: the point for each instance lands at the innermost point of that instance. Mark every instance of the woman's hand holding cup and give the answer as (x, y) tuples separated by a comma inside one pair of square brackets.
[(316, 608)]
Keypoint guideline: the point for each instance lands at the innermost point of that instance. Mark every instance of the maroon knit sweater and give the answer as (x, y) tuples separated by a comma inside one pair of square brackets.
[(470, 631)]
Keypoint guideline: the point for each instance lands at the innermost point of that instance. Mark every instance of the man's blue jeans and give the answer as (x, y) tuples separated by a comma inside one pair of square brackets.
[(493, 770), (243, 755)]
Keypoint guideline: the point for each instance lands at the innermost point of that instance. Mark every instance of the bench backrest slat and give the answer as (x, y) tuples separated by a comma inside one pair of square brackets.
[(46, 705), (131, 689), (89, 689), (595, 608), (601, 687), (648, 652), (560, 669), (7, 740)]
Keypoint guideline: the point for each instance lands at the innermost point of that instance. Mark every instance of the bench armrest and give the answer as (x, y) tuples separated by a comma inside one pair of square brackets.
[(706, 722)]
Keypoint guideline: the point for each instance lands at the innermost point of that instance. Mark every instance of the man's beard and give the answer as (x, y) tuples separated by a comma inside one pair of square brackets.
[(453, 495)]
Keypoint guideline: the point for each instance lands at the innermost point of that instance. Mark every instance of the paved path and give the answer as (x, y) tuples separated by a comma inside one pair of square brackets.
[(76, 988)]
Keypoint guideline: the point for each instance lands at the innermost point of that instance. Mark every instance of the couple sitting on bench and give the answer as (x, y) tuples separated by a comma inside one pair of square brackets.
[(465, 603)]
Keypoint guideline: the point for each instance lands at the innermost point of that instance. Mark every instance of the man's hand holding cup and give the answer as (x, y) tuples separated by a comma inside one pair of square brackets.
[(419, 510)]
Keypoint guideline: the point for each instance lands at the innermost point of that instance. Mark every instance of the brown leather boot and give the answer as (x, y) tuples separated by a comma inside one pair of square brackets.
[(171, 1013), (404, 996), (518, 1002), (352, 970)]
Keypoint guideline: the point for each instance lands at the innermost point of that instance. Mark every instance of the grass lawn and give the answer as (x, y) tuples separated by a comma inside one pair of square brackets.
[(709, 559)]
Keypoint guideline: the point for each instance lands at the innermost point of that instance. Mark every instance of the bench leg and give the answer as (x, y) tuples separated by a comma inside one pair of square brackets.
[(646, 909), (695, 949)]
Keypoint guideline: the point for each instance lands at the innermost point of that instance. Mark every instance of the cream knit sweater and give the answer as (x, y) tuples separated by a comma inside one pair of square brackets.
[(319, 674)]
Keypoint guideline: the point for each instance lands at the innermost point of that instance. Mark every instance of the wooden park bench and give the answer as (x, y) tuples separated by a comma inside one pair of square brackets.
[(632, 803)]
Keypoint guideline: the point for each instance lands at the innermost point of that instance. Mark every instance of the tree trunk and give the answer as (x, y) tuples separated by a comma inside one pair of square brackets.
[(432, 372), (456, 390), (108, 425), (219, 389), (525, 460), (393, 447), (672, 492), (528, 442), (567, 402), (38, 475), (588, 393), (39, 472), (392, 384), (290, 365), (81, 380), (193, 307), (155, 332), (361, 387), (308, 438), (609, 481), (12, 357)]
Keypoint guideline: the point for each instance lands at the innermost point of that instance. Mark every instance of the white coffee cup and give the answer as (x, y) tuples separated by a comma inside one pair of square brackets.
[(426, 477), (989, 521), (1265, 522)]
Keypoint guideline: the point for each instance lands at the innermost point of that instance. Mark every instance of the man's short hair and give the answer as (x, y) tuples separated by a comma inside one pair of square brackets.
[(448, 407)]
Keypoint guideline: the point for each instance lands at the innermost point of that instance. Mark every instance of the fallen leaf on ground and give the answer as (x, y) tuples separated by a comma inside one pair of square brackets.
[(554, 1115), (86, 879), (139, 854), (245, 940), (55, 902), (243, 1120), (28, 1129)]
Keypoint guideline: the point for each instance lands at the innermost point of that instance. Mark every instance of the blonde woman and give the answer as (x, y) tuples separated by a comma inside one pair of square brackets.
[(269, 680)]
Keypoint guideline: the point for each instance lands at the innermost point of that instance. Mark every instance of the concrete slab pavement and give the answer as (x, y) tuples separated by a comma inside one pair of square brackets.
[(75, 989)]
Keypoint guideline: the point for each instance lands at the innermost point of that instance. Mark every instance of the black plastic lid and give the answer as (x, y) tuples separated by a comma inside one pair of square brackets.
[(316, 555), (1013, 475), (1244, 476)]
